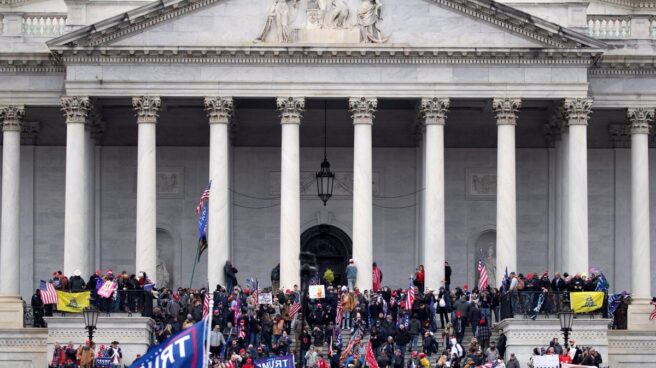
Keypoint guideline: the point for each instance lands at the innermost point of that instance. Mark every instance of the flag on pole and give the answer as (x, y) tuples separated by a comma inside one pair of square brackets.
[(184, 350), (339, 315), (652, 315), (201, 211), (47, 292), (370, 358), (349, 348), (294, 309), (206, 305), (482, 273), (410, 296)]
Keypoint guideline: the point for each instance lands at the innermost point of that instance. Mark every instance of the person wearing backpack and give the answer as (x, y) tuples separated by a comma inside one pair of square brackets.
[(456, 349), (443, 300)]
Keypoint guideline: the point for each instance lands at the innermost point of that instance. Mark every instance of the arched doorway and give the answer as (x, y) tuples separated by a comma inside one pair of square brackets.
[(332, 247)]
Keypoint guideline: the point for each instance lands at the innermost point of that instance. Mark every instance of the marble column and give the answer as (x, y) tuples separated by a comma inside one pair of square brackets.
[(362, 110), (577, 113), (291, 110), (640, 120), (12, 120), (76, 220), (564, 200), (433, 112), (506, 110), (147, 109), (219, 110)]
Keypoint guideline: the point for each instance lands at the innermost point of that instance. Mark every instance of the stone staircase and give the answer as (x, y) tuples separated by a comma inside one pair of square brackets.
[(346, 338)]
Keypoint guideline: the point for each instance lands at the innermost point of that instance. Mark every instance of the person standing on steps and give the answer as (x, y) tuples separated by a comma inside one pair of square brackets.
[(351, 274)]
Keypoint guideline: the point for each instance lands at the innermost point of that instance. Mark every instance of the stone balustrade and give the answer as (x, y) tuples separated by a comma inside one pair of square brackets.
[(617, 27), (609, 26), (38, 25)]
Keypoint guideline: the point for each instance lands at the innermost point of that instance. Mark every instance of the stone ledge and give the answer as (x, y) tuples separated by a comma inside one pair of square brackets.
[(25, 347)]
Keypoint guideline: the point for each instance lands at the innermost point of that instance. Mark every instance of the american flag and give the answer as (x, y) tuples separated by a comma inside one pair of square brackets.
[(652, 315), (482, 274), (294, 309), (203, 198), (410, 297), (206, 305), (48, 292), (241, 334), (354, 340), (370, 358), (339, 316)]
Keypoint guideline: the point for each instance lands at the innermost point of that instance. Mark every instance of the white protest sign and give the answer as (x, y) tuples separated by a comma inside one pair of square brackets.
[(317, 292), (546, 361), (264, 298)]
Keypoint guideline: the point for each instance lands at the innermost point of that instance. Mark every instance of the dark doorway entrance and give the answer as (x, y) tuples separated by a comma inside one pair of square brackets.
[(332, 247)]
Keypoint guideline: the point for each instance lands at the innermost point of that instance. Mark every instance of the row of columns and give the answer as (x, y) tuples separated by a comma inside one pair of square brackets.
[(433, 111)]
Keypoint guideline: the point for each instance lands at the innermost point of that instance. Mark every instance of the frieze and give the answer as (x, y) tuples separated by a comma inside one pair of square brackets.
[(481, 184), (22, 343), (100, 334)]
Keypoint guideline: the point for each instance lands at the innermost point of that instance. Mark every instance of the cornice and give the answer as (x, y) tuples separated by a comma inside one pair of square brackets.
[(624, 66), (328, 55)]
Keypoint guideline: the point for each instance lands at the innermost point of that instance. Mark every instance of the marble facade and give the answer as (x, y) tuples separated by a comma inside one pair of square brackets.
[(448, 120)]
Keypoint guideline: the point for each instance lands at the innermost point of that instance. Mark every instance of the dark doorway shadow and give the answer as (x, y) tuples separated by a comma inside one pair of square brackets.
[(332, 247)]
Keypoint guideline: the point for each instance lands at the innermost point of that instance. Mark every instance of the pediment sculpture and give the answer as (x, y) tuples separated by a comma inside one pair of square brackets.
[(326, 21)]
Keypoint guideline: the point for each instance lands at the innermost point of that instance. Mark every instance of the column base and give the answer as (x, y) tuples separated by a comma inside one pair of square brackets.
[(638, 315), (11, 312)]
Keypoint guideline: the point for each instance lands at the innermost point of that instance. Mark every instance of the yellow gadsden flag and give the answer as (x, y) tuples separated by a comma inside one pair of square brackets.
[(72, 302), (584, 302)]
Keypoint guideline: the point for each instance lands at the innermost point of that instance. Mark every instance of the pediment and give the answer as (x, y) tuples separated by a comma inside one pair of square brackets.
[(457, 24)]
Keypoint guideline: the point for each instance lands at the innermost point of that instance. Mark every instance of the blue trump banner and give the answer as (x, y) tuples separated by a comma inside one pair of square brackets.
[(286, 361), (103, 362), (184, 350)]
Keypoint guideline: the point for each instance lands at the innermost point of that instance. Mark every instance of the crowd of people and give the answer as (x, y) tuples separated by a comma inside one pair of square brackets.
[(424, 330), (84, 356)]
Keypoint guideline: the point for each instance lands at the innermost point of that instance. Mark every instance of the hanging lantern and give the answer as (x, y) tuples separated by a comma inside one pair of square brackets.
[(325, 177)]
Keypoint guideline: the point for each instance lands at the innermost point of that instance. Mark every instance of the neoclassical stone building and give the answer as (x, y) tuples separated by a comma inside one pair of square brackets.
[(515, 130)]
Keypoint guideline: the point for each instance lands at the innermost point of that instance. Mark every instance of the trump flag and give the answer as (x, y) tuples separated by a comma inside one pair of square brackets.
[(184, 350)]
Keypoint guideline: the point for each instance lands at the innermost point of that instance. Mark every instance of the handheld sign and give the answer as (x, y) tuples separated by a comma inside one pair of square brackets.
[(286, 361), (264, 298), (317, 292)]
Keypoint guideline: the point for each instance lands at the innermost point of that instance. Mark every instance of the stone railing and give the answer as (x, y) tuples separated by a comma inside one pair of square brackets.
[(609, 26), (10, 2), (38, 25)]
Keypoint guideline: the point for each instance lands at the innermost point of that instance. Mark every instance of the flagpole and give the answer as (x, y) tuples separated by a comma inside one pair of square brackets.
[(193, 270), (208, 331)]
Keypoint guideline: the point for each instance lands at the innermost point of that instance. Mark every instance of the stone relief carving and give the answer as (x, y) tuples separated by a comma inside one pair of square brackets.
[(480, 183), (369, 15), (170, 182), (280, 15), (327, 21)]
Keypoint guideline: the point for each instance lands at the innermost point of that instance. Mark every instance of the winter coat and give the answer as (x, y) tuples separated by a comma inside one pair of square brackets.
[(512, 363), (76, 283)]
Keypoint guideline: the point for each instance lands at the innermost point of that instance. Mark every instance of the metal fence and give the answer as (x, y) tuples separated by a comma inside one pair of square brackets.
[(534, 304)]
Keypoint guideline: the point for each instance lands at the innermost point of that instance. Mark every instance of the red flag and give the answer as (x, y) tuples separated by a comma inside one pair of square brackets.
[(206, 305), (294, 309), (339, 316), (370, 358)]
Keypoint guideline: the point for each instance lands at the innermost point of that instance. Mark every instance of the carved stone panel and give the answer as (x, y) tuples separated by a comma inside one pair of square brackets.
[(481, 184), (170, 182)]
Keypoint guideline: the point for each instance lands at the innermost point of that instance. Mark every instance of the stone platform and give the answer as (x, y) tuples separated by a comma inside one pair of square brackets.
[(23, 348), (132, 333), (525, 334), (631, 349)]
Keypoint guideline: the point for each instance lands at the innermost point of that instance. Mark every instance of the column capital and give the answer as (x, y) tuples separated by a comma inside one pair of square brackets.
[(12, 117), (147, 108), (219, 109), (433, 110), (577, 110), (640, 120), (291, 109), (76, 109), (506, 110), (362, 109)]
